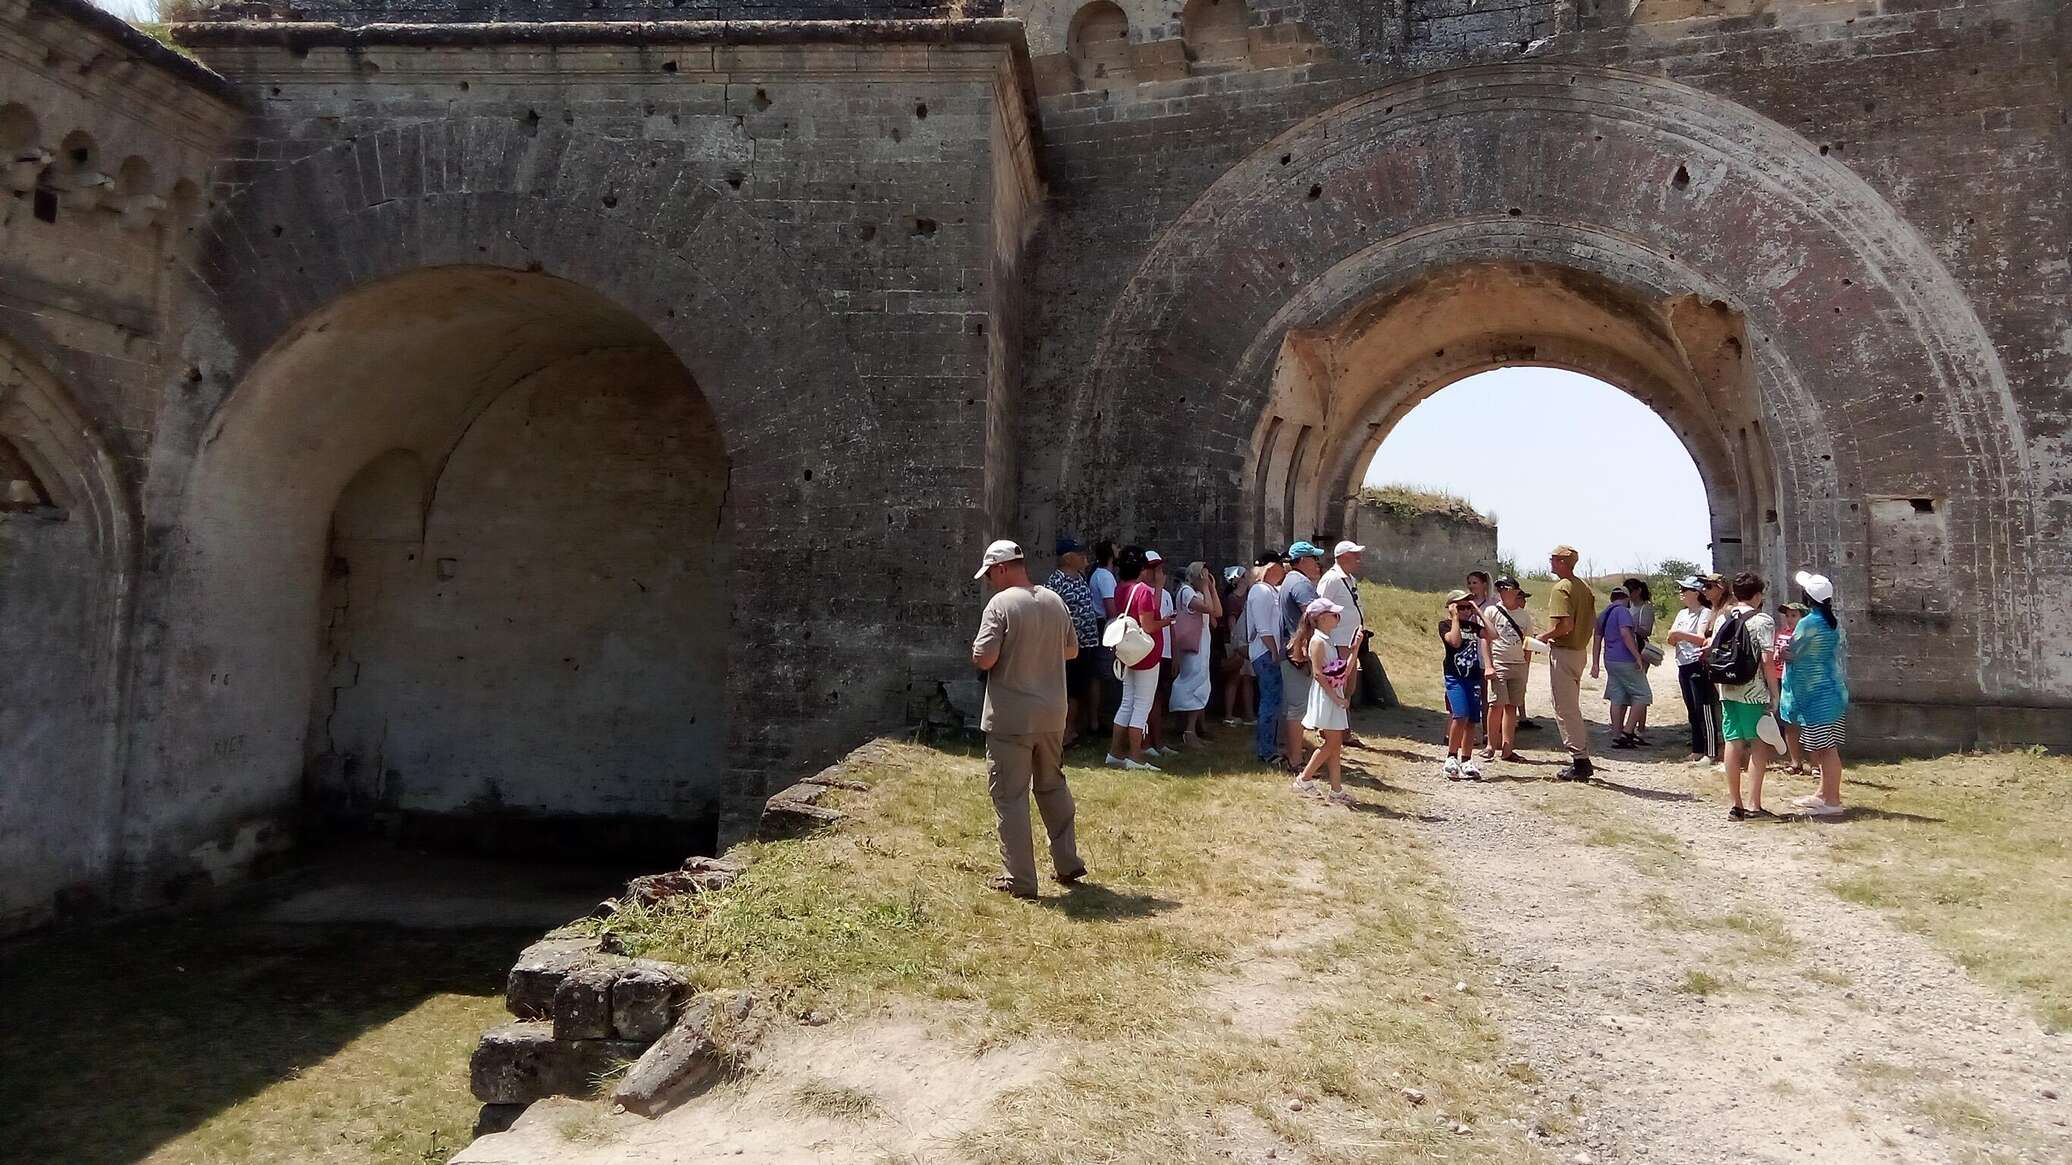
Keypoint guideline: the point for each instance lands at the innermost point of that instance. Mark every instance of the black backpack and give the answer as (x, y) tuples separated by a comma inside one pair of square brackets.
[(1730, 660)]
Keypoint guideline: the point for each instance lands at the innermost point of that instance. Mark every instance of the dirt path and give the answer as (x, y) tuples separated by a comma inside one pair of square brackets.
[(1687, 991)]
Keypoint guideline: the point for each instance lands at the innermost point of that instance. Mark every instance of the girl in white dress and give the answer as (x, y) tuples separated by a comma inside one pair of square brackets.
[(1326, 713)]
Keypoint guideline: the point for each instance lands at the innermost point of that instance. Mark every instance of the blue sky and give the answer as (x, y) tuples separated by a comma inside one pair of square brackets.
[(1602, 472)]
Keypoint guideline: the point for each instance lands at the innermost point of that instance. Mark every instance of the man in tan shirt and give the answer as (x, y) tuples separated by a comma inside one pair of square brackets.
[(1024, 639), (1572, 613)]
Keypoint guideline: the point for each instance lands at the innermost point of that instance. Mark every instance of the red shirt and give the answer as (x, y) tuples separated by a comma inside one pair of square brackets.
[(1140, 602)]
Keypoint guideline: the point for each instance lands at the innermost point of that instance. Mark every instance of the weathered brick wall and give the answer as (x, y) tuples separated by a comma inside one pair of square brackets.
[(106, 139), (1952, 113), (812, 219)]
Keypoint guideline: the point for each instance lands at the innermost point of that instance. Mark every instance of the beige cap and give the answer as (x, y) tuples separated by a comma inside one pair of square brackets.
[(1564, 551), (997, 553)]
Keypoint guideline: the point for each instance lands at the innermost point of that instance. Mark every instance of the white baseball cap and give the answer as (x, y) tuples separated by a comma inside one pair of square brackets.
[(1817, 586), (997, 553), (1151, 556), (1345, 548)]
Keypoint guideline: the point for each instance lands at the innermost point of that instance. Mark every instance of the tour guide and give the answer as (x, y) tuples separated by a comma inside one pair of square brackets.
[(1572, 608), (1024, 639)]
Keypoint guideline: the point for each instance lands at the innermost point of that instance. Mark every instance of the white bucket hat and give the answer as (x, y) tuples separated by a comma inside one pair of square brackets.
[(1818, 587), (997, 553)]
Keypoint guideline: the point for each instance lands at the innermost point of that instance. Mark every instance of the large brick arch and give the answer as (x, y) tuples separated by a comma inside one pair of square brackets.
[(637, 239), (1865, 350)]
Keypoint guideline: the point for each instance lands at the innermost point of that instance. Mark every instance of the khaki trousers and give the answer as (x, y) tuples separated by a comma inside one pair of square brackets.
[(1566, 674), (1016, 766)]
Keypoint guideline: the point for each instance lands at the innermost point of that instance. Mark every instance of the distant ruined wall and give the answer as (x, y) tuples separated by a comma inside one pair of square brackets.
[(1421, 551)]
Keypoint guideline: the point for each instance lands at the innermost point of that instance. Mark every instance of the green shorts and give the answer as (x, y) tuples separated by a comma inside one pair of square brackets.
[(1740, 719)]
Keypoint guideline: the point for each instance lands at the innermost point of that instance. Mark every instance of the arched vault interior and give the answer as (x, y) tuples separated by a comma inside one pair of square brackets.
[(457, 548), (1340, 386)]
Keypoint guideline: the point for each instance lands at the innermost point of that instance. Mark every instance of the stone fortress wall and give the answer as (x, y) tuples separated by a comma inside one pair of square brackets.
[(1422, 549), (498, 419)]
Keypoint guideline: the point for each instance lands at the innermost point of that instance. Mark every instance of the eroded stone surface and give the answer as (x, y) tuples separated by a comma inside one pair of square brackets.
[(537, 975), (689, 1057), (583, 1003), (645, 998), (521, 1062)]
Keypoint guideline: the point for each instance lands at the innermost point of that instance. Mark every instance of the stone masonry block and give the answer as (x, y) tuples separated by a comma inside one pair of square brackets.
[(537, 975), (519, 1063), (645, 998), (583, 1003)]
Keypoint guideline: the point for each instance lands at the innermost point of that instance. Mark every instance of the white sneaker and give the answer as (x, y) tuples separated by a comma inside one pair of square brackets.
[(1303, 785), (1165, 752), (1141, 766), (1471, 771), (1115, 762), (1452, 768), (1815, 807)]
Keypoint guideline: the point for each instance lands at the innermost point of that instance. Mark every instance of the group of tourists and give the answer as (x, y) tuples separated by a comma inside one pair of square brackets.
[(1108, 644)]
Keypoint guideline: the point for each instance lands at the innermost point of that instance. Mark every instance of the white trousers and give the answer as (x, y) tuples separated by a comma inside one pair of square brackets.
[(1139, 692)]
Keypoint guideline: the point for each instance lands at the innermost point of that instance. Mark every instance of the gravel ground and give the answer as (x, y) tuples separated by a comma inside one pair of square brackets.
[(1685, 989)]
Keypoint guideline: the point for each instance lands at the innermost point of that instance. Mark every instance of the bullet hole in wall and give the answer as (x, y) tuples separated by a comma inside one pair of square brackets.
[(1682, 179), (1316, 192)]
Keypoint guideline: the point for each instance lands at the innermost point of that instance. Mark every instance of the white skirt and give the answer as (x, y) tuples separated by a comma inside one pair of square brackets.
[(1191, 681), (1323, 712)]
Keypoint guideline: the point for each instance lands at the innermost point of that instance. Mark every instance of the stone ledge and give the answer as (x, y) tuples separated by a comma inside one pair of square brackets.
[(296, 34), (142, 46)]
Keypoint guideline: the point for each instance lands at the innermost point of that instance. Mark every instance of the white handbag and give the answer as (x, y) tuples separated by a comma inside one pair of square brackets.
[(1128, 640)]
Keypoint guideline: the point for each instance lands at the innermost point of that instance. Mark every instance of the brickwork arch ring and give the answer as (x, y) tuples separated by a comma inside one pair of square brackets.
[(1868, 352), (596, 240)]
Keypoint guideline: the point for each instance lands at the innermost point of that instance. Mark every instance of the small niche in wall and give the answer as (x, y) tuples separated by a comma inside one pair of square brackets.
[(1910, 557)]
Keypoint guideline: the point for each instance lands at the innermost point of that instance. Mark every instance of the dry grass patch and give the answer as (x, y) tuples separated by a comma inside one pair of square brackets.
[(1198, 875), (835, 1101), (1973, 852), (216, 1038)]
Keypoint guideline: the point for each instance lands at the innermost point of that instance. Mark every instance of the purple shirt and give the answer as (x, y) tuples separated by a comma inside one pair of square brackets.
[(1615, 617)]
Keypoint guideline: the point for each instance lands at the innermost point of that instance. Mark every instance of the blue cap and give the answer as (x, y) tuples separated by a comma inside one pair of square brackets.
[(1068, 544), (1305, 550)]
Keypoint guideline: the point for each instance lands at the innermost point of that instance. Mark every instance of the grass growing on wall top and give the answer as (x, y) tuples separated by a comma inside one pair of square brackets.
[(1409, 502)]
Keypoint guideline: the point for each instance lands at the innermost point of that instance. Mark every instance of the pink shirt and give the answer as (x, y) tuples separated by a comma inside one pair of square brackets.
[(1140, 602)]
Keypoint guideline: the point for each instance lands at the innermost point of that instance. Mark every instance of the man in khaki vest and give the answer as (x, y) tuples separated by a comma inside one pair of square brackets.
[(1024, 639), (1572, 611)]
